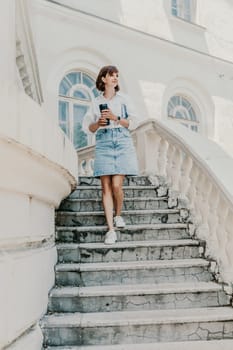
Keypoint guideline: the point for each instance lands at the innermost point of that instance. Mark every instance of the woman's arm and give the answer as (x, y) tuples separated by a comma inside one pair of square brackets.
[(100, 122), (93, 127)]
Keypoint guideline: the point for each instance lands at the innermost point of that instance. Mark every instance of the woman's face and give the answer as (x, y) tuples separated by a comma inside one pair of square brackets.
[(111, 80)]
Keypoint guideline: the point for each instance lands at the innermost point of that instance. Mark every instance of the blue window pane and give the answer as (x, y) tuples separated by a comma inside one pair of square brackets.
[(64, 127), (79, 138), (74, 78), (175, 100), (79, 113), (96, 92), (174, 8), (192, 114), (63, 111), (82, 94), (64, 116), (88, 80), (64, 87), (187, 10), (179, 115), (194, 128), (185, 103)]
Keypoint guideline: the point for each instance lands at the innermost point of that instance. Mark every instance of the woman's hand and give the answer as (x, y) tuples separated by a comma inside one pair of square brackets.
[(107, 114), (102, 121)]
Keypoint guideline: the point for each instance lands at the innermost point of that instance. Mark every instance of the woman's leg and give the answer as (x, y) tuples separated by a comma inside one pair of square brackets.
[(117, 182), (107, 199)]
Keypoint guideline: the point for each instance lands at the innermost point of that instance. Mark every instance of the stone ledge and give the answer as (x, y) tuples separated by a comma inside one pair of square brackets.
[(135, 289), (103, 228), (191, 345), (130, 244), (132, 265), (130, 318)]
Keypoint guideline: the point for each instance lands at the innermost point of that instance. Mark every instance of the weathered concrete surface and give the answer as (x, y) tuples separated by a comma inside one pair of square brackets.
[(152, 286)]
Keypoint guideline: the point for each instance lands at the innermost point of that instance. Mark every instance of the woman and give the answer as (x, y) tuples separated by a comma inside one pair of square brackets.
[(114, 153)]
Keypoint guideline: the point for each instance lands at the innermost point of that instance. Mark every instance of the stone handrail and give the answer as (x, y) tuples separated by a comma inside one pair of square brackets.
[(199, 171)]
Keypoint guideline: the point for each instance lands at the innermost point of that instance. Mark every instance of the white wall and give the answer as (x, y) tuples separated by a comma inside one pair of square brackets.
[(38, 169), (212, 32), (151, 69)]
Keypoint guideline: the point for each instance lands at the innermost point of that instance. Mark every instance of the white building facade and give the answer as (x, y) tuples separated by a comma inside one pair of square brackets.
[(175, 59)]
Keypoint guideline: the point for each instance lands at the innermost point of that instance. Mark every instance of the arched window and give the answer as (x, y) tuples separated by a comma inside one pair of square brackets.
[(184, 9), (181, 110), (76, 91)]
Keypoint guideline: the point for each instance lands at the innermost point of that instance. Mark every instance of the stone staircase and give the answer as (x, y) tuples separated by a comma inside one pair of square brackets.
[(153, 289)]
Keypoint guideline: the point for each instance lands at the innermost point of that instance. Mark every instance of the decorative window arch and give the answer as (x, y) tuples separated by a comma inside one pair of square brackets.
[(76, 92), (185, 9), (179, 108)]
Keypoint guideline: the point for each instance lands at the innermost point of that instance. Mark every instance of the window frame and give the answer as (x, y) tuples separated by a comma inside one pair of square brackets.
[(72, 101), (190, 123), (181, 9)]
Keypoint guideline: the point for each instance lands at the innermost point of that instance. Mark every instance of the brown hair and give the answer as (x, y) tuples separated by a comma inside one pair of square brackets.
[(102, 74)]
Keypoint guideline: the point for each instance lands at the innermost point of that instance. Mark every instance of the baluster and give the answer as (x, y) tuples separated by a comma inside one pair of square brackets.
[(82, 171), (207, 188), (213, 219), (200, 191), (220, 241), (156, 144), (170, 153), (185, 180), (162, 159), (192, 189), (202, 200), (152, 146), (176, 171), (89, 169), (229, 245)]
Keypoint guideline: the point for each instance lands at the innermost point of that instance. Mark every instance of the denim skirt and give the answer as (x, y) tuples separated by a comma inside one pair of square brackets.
[(114, 153)]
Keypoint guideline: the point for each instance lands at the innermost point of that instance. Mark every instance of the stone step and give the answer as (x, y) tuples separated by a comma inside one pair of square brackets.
[(131, 217), (133, 272), (226, 344), (131, 232), (95, 204), (138, 326), (137, 297), (128, 181), (129, 191), (130, 251)]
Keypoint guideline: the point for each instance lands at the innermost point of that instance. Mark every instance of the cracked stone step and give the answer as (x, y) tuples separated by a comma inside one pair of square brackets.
[(138, 326), (136, 297), (226, 344), (130, 216), (128, 181), (131, 232), (113, 273), (129, 191), (95, 204), (130, 251)]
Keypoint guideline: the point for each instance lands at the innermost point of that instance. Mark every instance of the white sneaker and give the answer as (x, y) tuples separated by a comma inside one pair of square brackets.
[(110, 237), (118, 221)]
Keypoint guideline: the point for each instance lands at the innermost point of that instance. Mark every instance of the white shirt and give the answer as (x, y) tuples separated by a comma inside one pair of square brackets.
[(116, 104)]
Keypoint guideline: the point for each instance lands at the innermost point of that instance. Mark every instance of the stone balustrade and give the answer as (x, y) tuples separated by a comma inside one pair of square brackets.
[(199, 172), (85, 160)]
